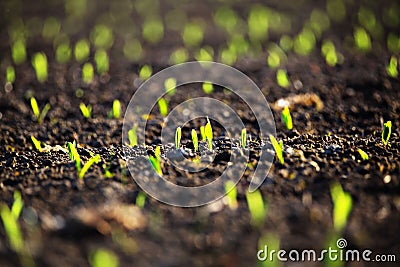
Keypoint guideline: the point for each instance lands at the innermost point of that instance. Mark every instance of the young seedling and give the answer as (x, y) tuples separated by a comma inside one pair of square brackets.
[(342, 205), (82, 50), (362, 39), (140, 199), (392, 67), (132, 136), (244, 138), (145, 72), (257, 208), (387, 130), (170, 86), (208, 87), (36, 111), (102, 62), (156, 160), (163, 106), (287, 118), (10, 222), (87, 73), (18, 51), (103, 258), (209, 134), (88, 164), (36, 143), (178, 136), (86, 110), (74, 155), (282, 78), (270, 241), (10, 74), (39, 63), (203, 133), (231, 195), (195, 140), (363, 155), (115, 112), (278, 147)]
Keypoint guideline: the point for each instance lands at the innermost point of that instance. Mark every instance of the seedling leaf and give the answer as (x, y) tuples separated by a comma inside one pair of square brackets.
[(36, 143), (231, 195), (163, 106), (363, 155), (244, 138), (178, 136), (88, 164), (140, 199), (203, 133), (278, 148), (287, 118), (132, 136), (86, 110), (195, 140), (342, 205), (257, 208), (103, 258), (387, 130), (209, 133), (35, 108), (74, 155)]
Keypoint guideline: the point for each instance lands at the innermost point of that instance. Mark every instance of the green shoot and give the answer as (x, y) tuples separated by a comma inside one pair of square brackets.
[(36, 111), (257, 208), (287, 118), (342, 205), (36, 143), (133, 50), (102, 62), (244, 138), (132, 136), (153, 30), (63, 52), (392, 67), (10, 74), (192, 34), (11, 226), (87, 73), (195, 140), (103, 258), (170, 86), (163, 106), (156, 160), (18, 204), (140, 199), (208, 87), (86, 110), (304, 42), (209, 133), (329, 51), (145, 72), (272, 243), (282, 78), (82, 50), (178, 136), (363, 155), (257, 22), (102, 36), (278, 147), (362, 39), (39, 63), (74, 155), (203, 133), (231, 195), (115, 112), (88, 164), (18, 51), (180, 55), (387, 130)]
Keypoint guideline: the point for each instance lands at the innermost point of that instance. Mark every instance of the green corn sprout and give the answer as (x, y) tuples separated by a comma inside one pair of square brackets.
[(363, 155), (103, 258), (392, 67), (36, 111), (88, 164), (287, 118), (74, 155), (231, 195), (145, 72), (178, 136), (195, 140), (10, 222), (387, 130), (278, 147), (257, 208), (10, 74), (244, 138), (156, 160), (115, 112), (209, 133), (362, 39), (82, 50), (140, 199), (18, 51), (163, 106), (170, 86), (102, 62), (342, 205), (36, 143), (270, 241), (86, 110), (282, 78), (39, 63), (208, 87), (63, 52), (87, 73), (132, 136), (203, 133)]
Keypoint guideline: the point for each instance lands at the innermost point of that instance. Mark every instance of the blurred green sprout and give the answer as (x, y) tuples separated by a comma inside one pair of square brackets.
[(63, 52), (387, 130), (153, 30), (304, 42), (18, 51), (362, 39), (82, 50), (192, 34), (207, 87), (101, 60), (257, 22), (391, 69), (178, 136), (329, 52), (36, 143), (86, 110), (74, 156), (257, 208), (145, 72), (287, 118), (102, 36), (363, 155), (180, 55), (163, 106), (87, 73), (195, 140), (10, 74), (103, 258), (231, 195), (170, 86), (278, 147), (203, 133), (156, 160), (282, 78), (342, 205), (132, 136), (39, 63), (243, 138), (140, 199), (209, 134)]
